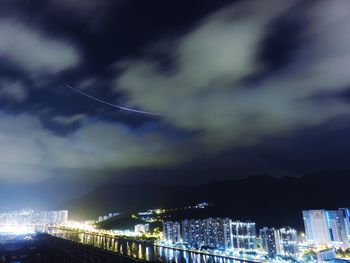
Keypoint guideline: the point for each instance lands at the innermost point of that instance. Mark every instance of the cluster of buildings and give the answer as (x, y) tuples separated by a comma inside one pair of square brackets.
[(283, 241), (325, 229), (328, 227), (31, 217), (142, 228), (106, 217), (225, 234)]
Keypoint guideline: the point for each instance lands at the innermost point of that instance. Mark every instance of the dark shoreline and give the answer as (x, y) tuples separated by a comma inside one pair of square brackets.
[(45, 248)]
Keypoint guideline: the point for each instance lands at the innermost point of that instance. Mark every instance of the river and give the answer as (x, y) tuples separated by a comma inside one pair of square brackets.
[(142, 250)]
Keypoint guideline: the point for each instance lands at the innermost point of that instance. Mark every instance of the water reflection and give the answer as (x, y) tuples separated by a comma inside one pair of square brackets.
[(140, 249)]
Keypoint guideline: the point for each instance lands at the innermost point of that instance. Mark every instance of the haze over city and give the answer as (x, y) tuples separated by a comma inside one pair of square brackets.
[(239, 88)]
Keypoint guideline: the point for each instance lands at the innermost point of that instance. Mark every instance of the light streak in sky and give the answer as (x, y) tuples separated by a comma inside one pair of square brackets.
[(111, 104)]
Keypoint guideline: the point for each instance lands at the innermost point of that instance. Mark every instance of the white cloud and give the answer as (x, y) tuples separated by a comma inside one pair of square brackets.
[(13, 90), (34, 51), (206, 91), (67, 120), (29, 152)]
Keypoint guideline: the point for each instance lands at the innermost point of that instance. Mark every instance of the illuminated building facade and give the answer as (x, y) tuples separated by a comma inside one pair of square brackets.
[(194, 232), (271, 240), (243, 235), (218, 233), (224, 233), (106, 217), (171, 231), (210, 232), (344, 213), (30, 217), (327, 227), (289, 241), (326, 255), (337, 227), (142, 228), (316, 227)]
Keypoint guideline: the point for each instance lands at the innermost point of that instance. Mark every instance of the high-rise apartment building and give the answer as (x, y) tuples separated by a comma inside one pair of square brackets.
[(344, 213), (218, 232), (194, 232), (289, 241), (327, 227), (336, 225), (271, 240), (316, 227), (171, 231), (243, 235)]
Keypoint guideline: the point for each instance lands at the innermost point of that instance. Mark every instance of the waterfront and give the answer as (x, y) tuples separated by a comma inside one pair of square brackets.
[(142, 250), (44, 248)]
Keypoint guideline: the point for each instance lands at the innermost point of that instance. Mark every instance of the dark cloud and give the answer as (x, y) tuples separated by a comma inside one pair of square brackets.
[(207, 91), (13, 90), (239, 83)]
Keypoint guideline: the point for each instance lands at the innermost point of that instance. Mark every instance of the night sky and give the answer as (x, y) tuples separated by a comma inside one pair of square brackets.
[(239, 88)]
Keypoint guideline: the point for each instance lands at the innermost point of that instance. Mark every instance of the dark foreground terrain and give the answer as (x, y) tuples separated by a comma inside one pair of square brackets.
[(48, 249)]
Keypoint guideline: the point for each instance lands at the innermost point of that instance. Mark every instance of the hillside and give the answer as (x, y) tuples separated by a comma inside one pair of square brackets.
[(263, 199)]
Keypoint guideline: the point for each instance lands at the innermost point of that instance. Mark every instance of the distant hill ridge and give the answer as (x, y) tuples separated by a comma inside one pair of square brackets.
[(261, 198)]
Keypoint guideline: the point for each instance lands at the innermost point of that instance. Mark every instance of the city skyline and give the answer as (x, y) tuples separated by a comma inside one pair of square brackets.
[(31, 217), (325, 236)]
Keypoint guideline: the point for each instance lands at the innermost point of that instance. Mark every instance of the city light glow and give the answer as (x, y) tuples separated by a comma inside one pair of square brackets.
[(216, 237), (16, 230)]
